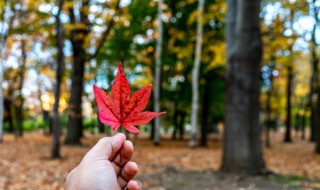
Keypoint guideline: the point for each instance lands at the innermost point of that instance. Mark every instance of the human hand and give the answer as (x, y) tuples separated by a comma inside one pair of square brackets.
[(106, 166)]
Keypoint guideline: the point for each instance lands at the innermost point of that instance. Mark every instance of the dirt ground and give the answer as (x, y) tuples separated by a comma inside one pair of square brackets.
[(25, 164)]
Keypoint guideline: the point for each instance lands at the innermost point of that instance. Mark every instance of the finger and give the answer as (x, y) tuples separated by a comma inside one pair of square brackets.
[(127, 173), (134, 185), (106, 148), (123, 157)]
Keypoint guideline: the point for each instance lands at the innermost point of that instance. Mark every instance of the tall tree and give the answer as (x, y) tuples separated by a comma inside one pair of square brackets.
[(195, 76), (315, 86), (290, 78), (55, 153), (287, 135), (157, 76), (269, 119), (20, 99), (314, 80), (5, 22), (80, 33), (242, 150)]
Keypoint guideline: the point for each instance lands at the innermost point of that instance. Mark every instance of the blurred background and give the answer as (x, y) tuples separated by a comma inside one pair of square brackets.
[(53, 51)]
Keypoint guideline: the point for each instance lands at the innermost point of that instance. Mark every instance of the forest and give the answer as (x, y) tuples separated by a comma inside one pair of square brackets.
[(238, 81)]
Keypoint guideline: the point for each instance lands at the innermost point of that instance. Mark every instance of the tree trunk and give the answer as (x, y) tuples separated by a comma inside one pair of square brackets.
[(8, 109), (157, 77), (318, 127), (315, 61), (3, 46), (74, 128), (206, 101), (315, 130), (268, 104), (181, 125), (287, 137), (314, 83), (55, 151), (195, 76), (175, 121), (45, 113), (20, 100), (101, 127), (242, 152), (75, 111), (303, 126)]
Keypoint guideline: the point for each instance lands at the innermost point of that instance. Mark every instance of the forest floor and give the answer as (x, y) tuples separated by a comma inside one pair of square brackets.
[(25, 164)]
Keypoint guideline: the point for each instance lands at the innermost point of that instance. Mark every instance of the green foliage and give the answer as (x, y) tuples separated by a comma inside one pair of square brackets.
[(30, 124), (90, 123)]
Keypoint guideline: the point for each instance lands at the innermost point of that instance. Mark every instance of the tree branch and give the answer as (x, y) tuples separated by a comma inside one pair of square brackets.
[(104, 35)]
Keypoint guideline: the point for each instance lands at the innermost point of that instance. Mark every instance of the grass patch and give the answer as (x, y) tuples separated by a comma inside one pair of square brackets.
[(290, 180)]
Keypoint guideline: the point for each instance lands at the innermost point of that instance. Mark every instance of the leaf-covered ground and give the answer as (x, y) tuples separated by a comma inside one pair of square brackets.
[(25, 164)]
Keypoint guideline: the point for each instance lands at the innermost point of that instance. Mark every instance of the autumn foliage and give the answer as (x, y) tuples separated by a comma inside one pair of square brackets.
[(120, 108)]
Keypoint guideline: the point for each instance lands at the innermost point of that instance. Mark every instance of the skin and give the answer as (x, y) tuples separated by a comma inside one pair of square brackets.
[(106, 166)]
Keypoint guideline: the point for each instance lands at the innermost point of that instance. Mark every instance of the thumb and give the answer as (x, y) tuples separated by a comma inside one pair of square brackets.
[(106, 148)]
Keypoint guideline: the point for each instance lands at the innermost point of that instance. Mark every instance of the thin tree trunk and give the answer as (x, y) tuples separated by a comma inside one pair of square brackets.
[(45, 113), (3, 47), (1, 94), (181, 125), (206, 101), (8, 109), (303, 126), (315, 61), (268, 104), (195, 76), (55, 151), (175, 121), (20, 100), (317, 150), (157, 78), (287, 137), (314, 83), (242, 152), (101, 126)]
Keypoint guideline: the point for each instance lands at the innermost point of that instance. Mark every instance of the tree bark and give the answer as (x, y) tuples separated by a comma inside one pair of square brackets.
[(157, 77), (195, 76), (55, 151), (242, 152)]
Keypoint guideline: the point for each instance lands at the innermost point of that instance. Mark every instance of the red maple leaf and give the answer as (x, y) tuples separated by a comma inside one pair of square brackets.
[(120, 108)]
